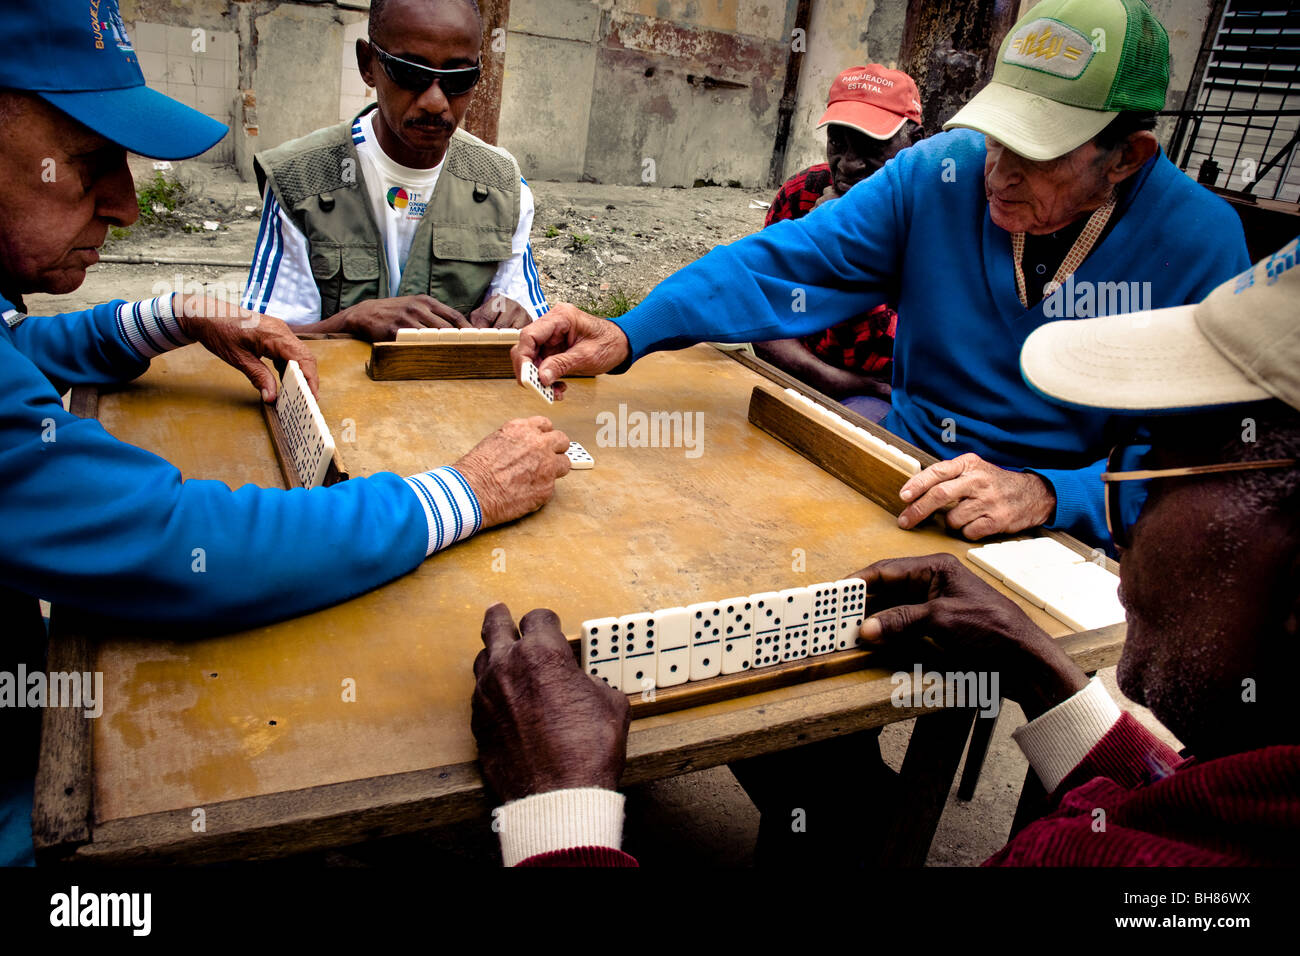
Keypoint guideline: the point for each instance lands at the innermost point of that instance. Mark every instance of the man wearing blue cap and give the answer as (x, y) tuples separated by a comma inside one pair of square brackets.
[(94, 523)]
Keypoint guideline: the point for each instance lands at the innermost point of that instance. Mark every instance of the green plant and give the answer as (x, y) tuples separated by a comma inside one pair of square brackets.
[(616, 303), (552, 232), (159, 192), (117, 233), (579, 241)]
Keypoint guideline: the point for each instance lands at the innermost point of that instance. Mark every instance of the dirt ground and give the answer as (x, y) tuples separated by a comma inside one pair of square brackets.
[(627, 239), (602, 247)]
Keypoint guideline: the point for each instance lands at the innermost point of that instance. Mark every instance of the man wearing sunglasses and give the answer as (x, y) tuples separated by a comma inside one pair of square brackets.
[(93, 523), (399, 219), (1210, 578)]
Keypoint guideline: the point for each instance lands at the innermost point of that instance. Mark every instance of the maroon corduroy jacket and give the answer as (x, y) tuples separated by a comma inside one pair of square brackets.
[(1132, 801), (1159, 810)]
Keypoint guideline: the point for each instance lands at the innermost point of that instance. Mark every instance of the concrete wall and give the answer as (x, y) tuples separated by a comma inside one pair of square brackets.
[(841, 34), (256, 65), (623, 91), (1185, 22), (638, 91)]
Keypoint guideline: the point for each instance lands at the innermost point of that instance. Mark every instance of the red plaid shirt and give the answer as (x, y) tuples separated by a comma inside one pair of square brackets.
[(864, 344)]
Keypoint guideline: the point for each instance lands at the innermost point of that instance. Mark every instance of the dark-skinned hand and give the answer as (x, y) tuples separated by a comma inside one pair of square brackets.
[(377, 320), (500, 312), (540, 722), (973, 626)]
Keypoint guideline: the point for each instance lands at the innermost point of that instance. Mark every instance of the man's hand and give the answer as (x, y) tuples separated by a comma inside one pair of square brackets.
[(982, 499), (500, 312), (828, 194), (377, 320), (567, 341), (242, 339), (974, 626), (512, 472), (540, 722), (791, 355)]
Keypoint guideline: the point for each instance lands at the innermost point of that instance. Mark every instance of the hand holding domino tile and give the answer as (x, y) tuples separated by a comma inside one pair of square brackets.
[(975, 627), (568, 341), (540, 722), (979, 498)]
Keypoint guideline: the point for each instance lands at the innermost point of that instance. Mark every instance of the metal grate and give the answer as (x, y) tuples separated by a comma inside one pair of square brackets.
[(1244, 128)]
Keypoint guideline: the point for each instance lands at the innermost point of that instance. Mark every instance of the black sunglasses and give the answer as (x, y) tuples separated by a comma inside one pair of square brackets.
[(416, 78)]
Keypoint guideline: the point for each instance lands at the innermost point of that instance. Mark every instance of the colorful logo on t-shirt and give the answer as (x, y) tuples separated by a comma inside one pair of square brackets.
[(398, 198)]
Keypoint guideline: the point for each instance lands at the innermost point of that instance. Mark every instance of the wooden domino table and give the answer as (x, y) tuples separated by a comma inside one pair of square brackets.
[(252, 727)]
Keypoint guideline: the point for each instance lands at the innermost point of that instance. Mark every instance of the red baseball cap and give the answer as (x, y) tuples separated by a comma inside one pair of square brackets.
[(872, 99)]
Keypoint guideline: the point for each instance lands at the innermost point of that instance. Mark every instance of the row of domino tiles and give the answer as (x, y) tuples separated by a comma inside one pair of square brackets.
[(1062, 582), (674, 645), (859, 434), (459, 336)]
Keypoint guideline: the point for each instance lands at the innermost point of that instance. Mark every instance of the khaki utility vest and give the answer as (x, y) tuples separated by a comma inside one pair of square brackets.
[(465, 234)]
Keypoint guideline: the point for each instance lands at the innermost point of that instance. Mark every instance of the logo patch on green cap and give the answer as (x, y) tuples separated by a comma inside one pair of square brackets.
[(1050, 46)]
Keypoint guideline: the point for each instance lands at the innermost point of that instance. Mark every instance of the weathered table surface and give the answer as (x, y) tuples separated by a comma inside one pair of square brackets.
[(253, 727)]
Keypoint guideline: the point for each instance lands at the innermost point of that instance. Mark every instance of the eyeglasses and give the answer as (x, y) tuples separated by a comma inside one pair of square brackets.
[(1126, 484), (416, 78)]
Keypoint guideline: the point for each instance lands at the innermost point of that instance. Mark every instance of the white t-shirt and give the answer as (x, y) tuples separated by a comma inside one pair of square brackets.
[(280, 281)]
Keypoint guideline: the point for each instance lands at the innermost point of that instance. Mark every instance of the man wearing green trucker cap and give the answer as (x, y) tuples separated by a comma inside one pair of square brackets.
[(976, 242), (1210, 581), (978, 235), (91, 522)]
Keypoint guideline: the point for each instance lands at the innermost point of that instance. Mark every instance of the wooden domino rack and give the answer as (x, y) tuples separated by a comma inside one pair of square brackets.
[(876, 464), (284, 457), (443, 353)]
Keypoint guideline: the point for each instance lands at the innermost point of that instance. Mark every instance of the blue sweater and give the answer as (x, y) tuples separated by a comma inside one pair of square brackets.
[(92, 522), (95, 523), (918, 233)]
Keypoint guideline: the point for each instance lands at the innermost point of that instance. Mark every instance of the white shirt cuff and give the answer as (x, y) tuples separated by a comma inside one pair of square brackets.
[(150, 327), (1056, 741), (450, 507), (559, 820)]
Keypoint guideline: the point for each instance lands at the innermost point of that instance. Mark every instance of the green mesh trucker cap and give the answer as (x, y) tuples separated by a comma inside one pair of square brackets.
[(1064, 71)]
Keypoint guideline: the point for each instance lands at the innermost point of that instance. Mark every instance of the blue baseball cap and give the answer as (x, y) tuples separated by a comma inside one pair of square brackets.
[(76, 56)]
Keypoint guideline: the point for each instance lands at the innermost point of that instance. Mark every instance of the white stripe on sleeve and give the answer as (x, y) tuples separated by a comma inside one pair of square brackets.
[(150, 327), (450, 507), (517, 277), (280, 280)]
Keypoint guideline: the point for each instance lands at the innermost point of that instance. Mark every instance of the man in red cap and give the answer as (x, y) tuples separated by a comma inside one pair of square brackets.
[(872, 113)]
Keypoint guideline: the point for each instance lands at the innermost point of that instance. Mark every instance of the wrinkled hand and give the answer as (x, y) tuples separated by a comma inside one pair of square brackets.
[(982, 499), (500, 312), (377, 320), (540, 722), (242, 339), (828, 194), (513, 471), (974, 627), (567, 341)]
